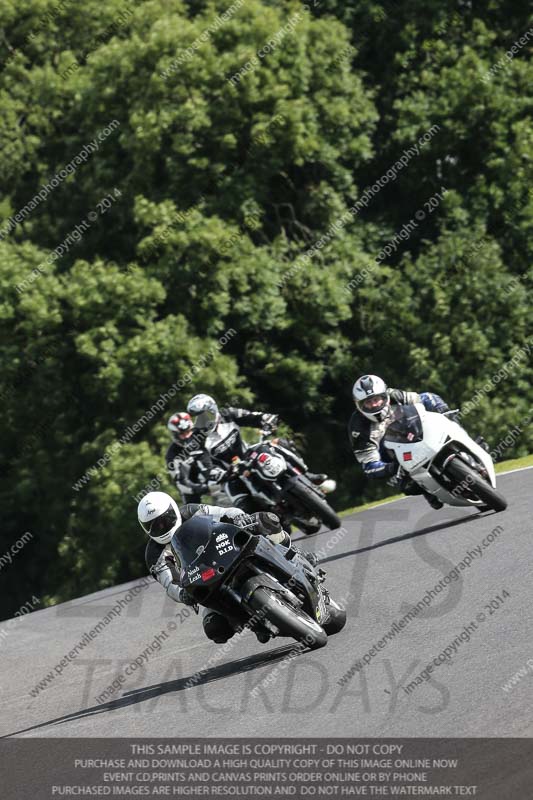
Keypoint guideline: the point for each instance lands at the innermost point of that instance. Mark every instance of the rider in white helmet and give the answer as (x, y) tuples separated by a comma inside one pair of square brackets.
[(160, 518), (374, 403)]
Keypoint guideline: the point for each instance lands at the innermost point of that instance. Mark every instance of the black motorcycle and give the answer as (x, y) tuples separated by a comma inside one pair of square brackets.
[(251, 582), (276, 481)]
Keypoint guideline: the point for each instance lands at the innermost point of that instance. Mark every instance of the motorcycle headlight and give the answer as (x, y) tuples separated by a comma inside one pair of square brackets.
[(271, 466)]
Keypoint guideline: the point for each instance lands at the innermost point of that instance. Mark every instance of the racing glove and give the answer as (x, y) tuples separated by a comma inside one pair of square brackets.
[(262, 523), (380, 469), (269, 422), (269, 525), (239, 518), (433, 402), (215, 475)]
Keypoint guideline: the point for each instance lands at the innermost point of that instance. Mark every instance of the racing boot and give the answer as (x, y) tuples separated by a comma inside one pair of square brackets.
[(321, 480), (409, 487), (317, 477), (433, 501)]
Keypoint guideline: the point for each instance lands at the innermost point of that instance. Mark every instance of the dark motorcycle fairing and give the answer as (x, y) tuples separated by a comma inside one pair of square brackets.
[(278, 491), (217, 560)]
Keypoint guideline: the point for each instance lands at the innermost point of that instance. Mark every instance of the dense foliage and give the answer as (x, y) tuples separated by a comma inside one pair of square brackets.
[(225, 149)]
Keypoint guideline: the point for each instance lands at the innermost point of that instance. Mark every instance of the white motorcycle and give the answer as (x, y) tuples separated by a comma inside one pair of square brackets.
[(439, 456)]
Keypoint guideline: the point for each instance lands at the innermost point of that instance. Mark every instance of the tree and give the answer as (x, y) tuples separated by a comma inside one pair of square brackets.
[(199, 196)]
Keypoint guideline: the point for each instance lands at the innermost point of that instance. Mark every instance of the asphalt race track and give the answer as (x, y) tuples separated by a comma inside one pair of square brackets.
[(381, 563)]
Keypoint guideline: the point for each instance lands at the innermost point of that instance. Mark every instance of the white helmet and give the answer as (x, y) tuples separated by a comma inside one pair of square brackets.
[(204, 411), (159, 516), (371, 397)]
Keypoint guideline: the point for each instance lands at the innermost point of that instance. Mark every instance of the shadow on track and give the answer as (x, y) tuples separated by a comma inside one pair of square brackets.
[(180, 684), (411, 535)]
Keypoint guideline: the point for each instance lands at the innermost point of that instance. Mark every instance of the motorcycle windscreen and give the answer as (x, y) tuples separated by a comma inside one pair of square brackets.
[(191, 539), (406, 426)]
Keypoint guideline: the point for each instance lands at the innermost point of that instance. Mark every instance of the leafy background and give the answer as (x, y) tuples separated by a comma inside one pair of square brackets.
[(90, 344)]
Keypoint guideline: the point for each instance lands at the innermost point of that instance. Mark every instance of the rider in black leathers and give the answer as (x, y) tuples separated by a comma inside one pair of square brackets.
[(160, 518), (224, 442), (186, 458)]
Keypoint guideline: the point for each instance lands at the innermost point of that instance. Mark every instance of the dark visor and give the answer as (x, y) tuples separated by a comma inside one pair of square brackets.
[(161, 524)]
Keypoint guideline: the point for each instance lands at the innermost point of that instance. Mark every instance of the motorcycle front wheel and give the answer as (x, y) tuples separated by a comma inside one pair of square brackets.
[(316, 505), (337, 619), (476, 485), (288, 619)]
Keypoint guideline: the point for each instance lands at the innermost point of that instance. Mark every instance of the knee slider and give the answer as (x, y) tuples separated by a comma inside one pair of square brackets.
[(217, 628)]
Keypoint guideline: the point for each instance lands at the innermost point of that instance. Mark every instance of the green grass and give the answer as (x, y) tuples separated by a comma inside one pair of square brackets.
[(503, 466), (516, 463)]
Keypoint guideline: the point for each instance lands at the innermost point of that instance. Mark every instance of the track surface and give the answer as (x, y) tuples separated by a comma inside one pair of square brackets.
[(382, 562)]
